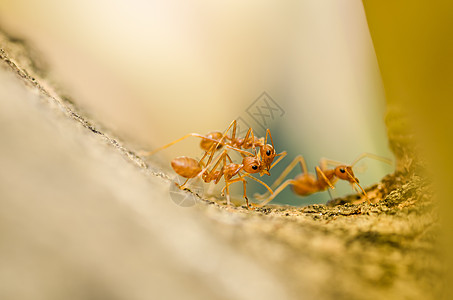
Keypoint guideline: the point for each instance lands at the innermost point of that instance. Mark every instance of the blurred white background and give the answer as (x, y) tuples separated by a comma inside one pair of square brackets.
[(153, 71)]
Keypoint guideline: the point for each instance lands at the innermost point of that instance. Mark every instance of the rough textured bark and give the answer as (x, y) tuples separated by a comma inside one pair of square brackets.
[(84, 217)]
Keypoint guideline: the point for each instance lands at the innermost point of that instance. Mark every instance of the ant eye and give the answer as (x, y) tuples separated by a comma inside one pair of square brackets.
[(342, 170), (254, 167), (268, 152)]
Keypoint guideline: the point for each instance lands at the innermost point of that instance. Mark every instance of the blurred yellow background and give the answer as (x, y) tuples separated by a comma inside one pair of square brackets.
[(152, 71)]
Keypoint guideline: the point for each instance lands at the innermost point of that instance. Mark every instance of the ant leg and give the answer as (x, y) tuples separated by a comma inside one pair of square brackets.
[(252, 138), (214, 146), (229, 159), (208, 173), (364, 193), (282, 155), (320, 173), (242, 179), (221, 159), (228, 195), (235, 130), (227, 184), (212, 151), (221, 156), (245, 192), (210, 191), (249, 139), (260, 143), (276, 192), (148, 153), (260, 182), (234, 125), (233, 136), (145, 153), (325, 161), (182, 185), (245, 140), (356, 182), (270, 136), (211, 159), (330, 194), (244, 182), (225, 136), (297, 160)]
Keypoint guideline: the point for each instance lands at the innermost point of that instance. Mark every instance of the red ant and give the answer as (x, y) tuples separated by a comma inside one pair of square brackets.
[(189, 168), (258, 163), (250, 165), (267, 152), (306, 183)]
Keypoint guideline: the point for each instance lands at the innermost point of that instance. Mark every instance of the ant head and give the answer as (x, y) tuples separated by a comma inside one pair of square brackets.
[(344, 172), (267, 153), (253, 165)]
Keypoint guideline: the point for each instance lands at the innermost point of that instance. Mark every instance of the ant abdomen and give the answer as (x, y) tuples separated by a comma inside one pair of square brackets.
[(307, 185), (186, 167)]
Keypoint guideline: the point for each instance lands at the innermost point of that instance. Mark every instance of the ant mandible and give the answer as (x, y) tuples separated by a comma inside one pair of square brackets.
[(306, 183)]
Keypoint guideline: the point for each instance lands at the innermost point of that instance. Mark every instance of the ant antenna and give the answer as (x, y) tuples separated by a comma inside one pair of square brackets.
[(373, 156), (270, 136), (359, 158)]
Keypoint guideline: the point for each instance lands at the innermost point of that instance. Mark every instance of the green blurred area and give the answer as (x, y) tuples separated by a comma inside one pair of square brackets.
[(413, 44)]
